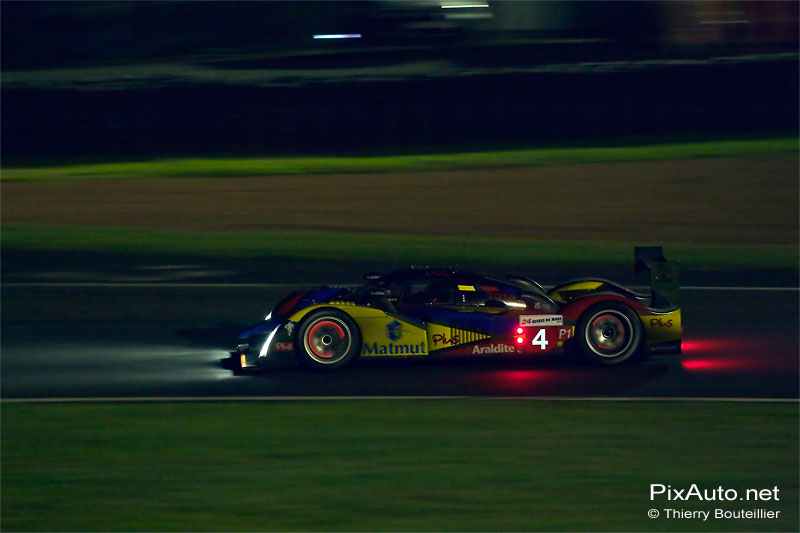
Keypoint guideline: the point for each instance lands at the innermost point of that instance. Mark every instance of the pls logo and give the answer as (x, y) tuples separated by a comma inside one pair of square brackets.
[(394, 330)]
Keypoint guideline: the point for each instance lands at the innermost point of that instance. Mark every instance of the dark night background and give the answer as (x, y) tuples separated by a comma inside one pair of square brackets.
[(529, 74)]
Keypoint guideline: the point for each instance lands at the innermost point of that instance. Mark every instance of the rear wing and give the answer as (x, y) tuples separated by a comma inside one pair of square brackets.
[(660, 274)]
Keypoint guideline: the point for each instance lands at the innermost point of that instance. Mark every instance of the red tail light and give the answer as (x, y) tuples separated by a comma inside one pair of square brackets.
[(520, 337)]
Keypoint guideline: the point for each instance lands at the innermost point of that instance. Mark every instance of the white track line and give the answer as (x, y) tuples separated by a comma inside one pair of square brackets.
[(230, 399), (170, 285)]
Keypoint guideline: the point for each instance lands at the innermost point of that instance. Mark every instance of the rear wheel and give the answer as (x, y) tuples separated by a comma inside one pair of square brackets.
[(609, 333), (327, 339)]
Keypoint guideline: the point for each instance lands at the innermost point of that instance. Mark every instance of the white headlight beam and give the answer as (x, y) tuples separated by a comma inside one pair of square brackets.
[(265, 347)]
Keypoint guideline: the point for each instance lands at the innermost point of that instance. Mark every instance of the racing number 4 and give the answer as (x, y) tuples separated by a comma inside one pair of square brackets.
[(540, 339)]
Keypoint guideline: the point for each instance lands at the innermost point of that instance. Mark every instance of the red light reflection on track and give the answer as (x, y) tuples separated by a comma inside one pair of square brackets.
[(519, 381), (729, 355), (714, 364), (704, 345)]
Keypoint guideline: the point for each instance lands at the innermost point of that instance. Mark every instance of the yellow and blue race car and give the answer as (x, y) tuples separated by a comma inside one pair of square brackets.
[(418, 312)]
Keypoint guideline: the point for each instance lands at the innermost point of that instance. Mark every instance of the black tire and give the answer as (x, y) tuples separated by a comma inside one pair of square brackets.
[(609, 333), (326, 340)]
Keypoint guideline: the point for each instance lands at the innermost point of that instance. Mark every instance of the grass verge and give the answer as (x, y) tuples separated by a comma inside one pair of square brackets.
[(402, 249), (403, 163), (436, 465)]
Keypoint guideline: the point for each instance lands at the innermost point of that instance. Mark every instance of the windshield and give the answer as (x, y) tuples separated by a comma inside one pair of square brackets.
[(432, 287)]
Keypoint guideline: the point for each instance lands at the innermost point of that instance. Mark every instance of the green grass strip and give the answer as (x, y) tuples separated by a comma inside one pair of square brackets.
[(388, 465), (208, 167), (404, 249)]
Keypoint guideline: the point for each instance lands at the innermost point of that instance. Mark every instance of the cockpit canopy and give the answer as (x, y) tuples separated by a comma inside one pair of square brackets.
[(450, 287)]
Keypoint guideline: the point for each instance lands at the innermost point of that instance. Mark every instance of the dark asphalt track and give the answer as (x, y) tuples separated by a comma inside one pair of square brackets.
[(171, 340)]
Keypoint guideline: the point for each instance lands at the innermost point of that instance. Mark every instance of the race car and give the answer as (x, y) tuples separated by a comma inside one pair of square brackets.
[(419, 312)]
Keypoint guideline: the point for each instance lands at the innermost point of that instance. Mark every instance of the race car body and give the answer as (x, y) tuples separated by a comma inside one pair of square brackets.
[(417, 312)]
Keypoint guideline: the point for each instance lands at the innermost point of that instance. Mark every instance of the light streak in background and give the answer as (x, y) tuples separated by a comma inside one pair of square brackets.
[(463, 6), (338, 36), (469, 10)]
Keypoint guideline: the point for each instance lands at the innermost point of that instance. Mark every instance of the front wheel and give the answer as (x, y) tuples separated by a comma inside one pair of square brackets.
[(327, 339), (609, 333)]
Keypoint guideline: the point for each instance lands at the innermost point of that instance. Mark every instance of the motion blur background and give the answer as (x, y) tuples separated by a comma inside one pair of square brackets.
[(111, 79), (58, 33)]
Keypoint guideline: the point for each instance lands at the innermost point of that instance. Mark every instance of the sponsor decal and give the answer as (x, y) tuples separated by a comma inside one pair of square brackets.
[(665, 347), (494, 349), (393, 349), (394, 330), (284, 346), (289, 327), (466, 288), (564, 333), (657, 322), (440, 338), (503, 296), (541, 320)]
